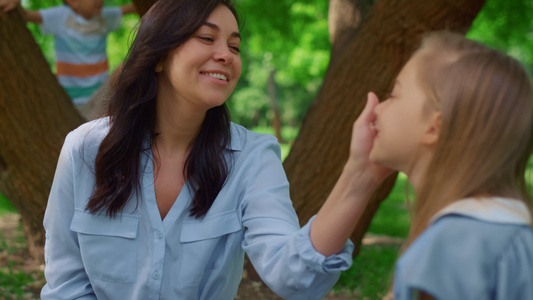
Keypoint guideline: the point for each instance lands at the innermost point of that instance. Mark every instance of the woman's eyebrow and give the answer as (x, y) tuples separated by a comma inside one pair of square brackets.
[(215, 26)]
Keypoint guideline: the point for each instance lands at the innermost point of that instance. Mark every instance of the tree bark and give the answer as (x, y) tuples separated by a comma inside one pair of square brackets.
[(276, 119), (368, 61), (35, 116), (344, 17), (143, 5)]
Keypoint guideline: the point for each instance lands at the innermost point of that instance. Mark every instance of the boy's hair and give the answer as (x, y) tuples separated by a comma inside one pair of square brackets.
[(486, 137)]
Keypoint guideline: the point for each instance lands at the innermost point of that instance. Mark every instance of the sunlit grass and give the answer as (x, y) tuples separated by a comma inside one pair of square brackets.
[(371, 272)]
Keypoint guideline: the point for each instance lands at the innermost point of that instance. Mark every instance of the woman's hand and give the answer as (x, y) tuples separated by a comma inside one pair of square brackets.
[(339, 215), (363, 135)]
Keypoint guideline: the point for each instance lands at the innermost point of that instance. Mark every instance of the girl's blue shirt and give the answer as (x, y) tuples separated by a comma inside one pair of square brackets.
[(139, 256), (470, 254)]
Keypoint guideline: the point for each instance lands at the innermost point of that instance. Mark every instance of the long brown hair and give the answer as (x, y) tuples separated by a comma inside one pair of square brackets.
[(486, 136), (167, 25)]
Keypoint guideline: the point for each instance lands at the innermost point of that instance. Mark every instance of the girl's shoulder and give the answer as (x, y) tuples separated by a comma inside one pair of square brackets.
[(460, 257), (477, 237)]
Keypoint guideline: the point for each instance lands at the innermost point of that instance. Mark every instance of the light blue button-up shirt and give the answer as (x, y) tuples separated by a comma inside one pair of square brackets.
[(139, 256)]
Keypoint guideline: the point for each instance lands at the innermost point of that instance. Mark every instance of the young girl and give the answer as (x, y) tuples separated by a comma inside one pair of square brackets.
[(459, 123)]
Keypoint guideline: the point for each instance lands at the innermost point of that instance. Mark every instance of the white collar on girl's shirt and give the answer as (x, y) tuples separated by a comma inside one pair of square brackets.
[(492, 209)]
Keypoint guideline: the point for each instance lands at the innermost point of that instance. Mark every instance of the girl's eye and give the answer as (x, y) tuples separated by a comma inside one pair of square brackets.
[(235, 49)]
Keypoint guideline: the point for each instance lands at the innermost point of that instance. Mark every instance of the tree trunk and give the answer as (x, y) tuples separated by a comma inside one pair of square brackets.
[(143, 5), (35, 116), (276, 119), (368, 61), (344, 17)]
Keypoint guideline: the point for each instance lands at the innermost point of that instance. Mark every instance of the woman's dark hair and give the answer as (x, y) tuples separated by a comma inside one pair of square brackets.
[(167, 25)]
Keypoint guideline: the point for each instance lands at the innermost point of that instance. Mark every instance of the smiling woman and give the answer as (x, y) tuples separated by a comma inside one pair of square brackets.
[(165, 195)]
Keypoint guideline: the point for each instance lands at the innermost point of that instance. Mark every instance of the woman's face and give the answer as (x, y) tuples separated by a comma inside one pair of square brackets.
[(202, 72)]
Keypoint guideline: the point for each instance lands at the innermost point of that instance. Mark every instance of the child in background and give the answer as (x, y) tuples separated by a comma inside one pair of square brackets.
[(80, 29), (459, 124)]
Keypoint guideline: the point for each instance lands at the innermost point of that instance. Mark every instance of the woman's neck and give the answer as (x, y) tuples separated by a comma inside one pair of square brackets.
[(176, 126)]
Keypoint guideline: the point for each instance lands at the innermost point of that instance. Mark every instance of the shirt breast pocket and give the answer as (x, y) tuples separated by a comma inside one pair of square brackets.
[(108, 246), (208, 244)]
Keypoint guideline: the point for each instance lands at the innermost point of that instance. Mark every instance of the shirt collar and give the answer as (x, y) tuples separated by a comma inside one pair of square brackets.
[(235, 139), (492, 209)]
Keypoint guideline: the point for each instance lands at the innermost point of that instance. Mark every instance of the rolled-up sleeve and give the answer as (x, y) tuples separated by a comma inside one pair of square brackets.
[(279, 249), (64, 270)]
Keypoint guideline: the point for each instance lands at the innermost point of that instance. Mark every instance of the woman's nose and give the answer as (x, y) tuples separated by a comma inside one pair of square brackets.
[(223, 55)]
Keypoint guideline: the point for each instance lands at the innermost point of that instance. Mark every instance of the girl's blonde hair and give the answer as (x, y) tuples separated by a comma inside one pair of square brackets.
[(486, 135)]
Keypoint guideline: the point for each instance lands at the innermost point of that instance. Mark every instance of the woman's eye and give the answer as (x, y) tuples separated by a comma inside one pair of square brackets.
[(206, 38), (235, 48)]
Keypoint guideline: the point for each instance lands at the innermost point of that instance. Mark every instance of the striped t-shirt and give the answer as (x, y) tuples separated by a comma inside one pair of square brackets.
[(80, 45)]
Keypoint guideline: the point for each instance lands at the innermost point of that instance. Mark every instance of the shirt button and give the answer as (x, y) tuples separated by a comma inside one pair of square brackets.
[(155, 275), (158, 235)]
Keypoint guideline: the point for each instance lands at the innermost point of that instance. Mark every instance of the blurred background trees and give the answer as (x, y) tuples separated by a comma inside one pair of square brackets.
[(286, 48)]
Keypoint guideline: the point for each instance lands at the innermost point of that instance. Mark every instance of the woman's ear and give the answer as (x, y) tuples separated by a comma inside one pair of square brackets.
[(159, 67), (431, 136)]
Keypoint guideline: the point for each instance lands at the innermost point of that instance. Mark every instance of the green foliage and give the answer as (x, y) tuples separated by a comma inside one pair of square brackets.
[(6, 206), (392, 218), (529, 176), (289, 38), (508, 26)]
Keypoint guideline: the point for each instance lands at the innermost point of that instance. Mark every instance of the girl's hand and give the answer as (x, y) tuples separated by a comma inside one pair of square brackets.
[(363, 135)]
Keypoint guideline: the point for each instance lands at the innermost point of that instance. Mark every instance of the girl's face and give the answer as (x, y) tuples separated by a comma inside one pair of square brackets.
[(202, 72), (402, 122)]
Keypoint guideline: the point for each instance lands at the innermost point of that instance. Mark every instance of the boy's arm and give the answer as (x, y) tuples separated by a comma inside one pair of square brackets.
[(126, 9), (30, 15), (7, 5), (33, 16)]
